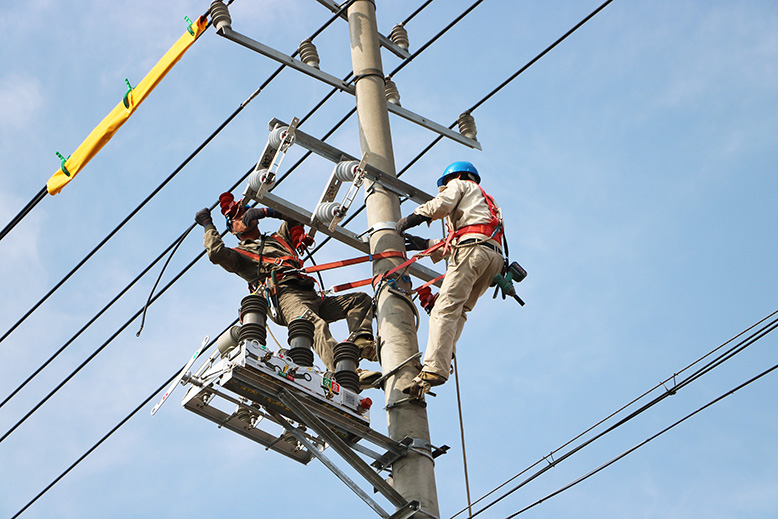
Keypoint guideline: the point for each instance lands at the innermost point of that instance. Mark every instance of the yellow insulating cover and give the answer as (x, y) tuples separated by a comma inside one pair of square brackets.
[(114, 120)]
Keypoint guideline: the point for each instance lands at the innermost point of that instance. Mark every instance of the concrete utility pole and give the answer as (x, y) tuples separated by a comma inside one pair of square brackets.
[(413, 475)]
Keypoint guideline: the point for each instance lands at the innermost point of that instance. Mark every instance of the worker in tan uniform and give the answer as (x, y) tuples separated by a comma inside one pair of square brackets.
[(473, 255), (272, 260)]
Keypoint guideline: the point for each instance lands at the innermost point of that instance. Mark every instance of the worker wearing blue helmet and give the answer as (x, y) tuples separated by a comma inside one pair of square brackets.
[(473, 255)]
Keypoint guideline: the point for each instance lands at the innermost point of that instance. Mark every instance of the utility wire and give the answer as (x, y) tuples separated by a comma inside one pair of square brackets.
[(99, 349), (626, 406), (644, 442), (107, 306), (739, 347), (154, 299), (165, 182), (24, 212), (178, 241), (477, 104), (115, 428)]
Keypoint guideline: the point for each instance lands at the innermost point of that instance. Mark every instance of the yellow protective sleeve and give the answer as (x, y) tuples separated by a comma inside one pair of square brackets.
[(104, 131)]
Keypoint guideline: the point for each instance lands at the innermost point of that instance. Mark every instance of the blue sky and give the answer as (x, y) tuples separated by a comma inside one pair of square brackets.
[(635, 165)]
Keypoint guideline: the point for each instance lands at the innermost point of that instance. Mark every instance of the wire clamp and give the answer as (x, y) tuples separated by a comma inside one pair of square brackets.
[(674, 389), (553, 462)]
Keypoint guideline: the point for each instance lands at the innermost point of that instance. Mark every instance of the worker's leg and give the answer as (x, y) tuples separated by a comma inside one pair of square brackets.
[(468, 276), (355, 308), (293, 303)]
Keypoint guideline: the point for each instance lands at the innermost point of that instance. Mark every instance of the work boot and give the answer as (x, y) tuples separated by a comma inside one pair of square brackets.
[(367, 378), (422, 383), (367, 348)]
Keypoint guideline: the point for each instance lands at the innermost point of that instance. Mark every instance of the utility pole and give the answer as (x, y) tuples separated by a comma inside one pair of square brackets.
[(413, 475)]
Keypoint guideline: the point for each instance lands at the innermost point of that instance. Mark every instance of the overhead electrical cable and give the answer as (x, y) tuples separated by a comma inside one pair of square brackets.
[(158, 259), (167, 286), (121, 113), (100, 348), (551, 460), (106, 307), (115, 428), (165, 182), (647, 440), (479, 103)]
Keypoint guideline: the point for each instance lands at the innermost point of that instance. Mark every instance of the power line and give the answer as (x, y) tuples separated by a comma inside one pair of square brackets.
[(739, 347), (644, 442), (164, 183), (622, 408), (121, 329), (94, 354), (24, 212), (113, 430)]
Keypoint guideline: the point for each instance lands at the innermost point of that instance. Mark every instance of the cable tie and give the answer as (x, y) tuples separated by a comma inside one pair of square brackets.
[(126, 98), (189, 27), (62, 165)]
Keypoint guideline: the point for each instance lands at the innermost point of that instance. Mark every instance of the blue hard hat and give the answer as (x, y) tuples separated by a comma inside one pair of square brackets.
[(461, 166)]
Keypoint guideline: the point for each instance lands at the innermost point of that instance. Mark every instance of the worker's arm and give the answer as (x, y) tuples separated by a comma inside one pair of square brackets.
[(220, 255), (443, 204)]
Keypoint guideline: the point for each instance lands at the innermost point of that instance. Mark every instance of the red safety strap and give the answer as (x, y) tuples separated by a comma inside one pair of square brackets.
[(354, 261), (286, 261)]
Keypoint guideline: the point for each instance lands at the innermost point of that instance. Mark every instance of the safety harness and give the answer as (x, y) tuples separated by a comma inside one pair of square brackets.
[(493, 229)]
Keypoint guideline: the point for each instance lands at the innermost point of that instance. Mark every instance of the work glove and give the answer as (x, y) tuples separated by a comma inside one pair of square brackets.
[(256, 213), (415, 242), (412, 220), (203, 217)]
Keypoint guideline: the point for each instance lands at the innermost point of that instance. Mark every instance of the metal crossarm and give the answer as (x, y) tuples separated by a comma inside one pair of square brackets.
[(372, 173), (383, 40), (339, 233)]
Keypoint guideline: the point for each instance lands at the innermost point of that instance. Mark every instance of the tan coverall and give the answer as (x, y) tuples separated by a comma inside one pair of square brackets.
[(470, 270), (296, 294)]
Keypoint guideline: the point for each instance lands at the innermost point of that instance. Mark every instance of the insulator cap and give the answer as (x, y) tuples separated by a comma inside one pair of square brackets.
[(276, 137), (308, 53), (392, 94), (220, 15), (326, 212), (467, 125), (346, 171), (399, 36)]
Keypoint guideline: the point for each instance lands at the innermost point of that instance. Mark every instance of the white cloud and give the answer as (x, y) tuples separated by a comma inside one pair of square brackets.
[(20, 99)]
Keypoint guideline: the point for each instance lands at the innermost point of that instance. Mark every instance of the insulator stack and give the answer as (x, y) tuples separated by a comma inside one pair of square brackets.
[(228, 340), (399, 36), (220, 15), (346, 171), (346, 362), (392, 94), (277, 136), (301, 341), (253, 313), (308, 53), (326, 212), (467, 125)]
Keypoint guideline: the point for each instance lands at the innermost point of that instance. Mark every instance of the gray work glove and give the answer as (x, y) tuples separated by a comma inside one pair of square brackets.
[(415, 242), (203, 217), (412, 220), (256, 213)]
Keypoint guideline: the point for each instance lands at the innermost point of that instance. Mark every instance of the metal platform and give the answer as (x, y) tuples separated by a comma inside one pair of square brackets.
[(298, 412)]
